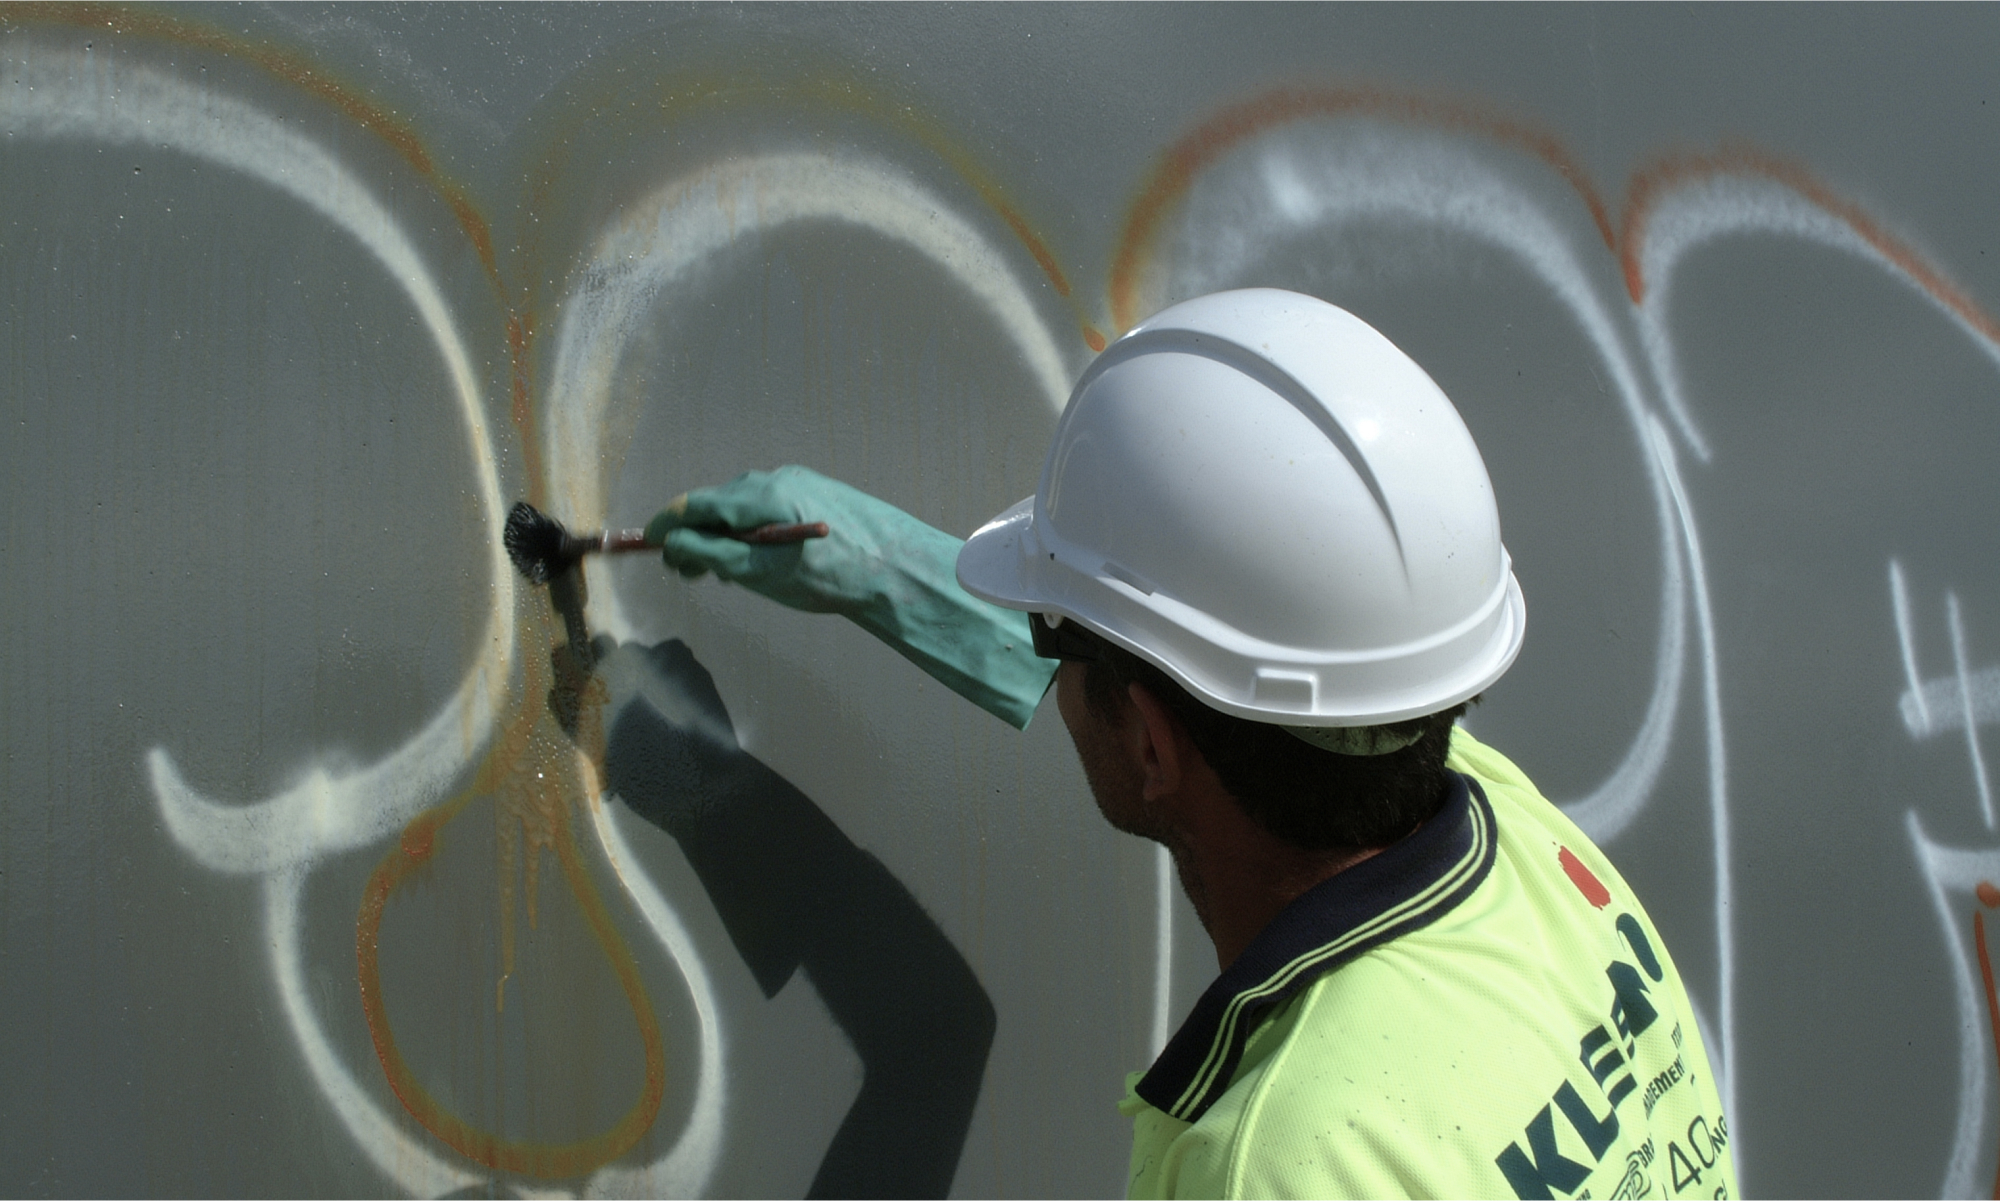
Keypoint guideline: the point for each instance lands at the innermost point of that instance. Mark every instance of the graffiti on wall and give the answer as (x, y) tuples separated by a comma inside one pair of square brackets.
[(1324, 169)]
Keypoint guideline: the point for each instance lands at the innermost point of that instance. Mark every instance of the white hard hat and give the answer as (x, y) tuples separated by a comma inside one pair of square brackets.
[(1261, 495)]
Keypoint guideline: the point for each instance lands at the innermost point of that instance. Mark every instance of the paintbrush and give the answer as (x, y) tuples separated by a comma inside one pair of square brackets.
[(542, 549)]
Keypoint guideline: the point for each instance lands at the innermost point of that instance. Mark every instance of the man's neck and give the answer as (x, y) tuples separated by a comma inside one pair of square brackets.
[(1239, 877)]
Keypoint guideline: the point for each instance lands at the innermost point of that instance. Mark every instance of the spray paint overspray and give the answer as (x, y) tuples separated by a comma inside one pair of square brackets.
[(667, 246)]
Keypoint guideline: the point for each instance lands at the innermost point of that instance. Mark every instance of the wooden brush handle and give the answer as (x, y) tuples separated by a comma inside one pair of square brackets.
[(766, 535), (621, 541)]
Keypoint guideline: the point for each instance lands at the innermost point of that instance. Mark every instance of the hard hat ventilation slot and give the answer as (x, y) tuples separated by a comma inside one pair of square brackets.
[(1127, 576)]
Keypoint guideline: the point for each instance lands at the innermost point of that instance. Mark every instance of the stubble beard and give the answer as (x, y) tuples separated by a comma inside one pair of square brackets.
[(1116, 786)]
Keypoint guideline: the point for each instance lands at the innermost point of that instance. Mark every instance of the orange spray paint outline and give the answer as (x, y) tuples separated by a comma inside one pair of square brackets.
[(1685, 170), (1989, 896), (508, 775), (674, 97), (544, 1160), (1174, 172), (503, 764)]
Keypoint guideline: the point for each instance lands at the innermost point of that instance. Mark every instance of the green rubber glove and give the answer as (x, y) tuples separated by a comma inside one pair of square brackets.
[(889, 573)]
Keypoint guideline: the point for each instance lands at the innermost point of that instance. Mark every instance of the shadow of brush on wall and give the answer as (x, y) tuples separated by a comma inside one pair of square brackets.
[(795, 893)]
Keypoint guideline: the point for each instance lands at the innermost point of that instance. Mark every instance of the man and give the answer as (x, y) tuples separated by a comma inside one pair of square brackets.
[(1266, 554)]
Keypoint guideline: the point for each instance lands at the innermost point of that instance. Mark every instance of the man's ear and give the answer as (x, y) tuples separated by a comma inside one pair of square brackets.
[(1163, 748)]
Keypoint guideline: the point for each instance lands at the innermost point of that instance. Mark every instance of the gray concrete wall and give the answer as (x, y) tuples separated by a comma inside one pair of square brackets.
[(303, 892)]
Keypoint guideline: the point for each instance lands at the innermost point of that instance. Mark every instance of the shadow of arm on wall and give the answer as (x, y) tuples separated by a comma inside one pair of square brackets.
[(794, 892)]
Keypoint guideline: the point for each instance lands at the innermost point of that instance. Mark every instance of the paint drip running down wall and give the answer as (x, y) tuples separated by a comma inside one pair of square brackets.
[(316, 866)]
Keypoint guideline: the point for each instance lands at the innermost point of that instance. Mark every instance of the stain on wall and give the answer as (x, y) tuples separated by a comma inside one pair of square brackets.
[(333, 857)]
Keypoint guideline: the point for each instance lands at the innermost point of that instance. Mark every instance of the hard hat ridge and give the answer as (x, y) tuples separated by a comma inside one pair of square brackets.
[(1178, 340)]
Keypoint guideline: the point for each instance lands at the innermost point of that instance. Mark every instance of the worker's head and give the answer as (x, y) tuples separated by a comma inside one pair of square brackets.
[(1121, 710), (1257, 497)]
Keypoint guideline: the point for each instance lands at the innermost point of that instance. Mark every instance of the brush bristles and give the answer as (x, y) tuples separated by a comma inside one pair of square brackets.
[(536, 543)]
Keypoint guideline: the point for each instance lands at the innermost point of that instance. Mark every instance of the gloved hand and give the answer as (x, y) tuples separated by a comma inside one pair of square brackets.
[(889, 573)]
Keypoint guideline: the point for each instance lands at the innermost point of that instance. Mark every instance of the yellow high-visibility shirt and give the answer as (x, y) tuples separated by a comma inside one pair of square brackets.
[(1481, 1010)]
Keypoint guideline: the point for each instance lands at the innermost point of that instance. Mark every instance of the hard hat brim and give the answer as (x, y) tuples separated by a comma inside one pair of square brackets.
[(992, 563), (1003, 563)]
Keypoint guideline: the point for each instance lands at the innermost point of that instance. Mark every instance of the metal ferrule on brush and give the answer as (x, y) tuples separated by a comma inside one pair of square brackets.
[(619, 540)]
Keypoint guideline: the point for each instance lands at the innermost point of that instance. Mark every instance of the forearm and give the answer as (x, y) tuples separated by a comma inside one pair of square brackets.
[(890, 573), (978, 650)]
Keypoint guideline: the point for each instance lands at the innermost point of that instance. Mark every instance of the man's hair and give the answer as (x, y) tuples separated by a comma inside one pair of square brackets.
[(1309, 798)]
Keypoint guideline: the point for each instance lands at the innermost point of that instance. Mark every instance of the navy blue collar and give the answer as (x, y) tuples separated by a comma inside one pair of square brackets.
[(1405, 888)]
